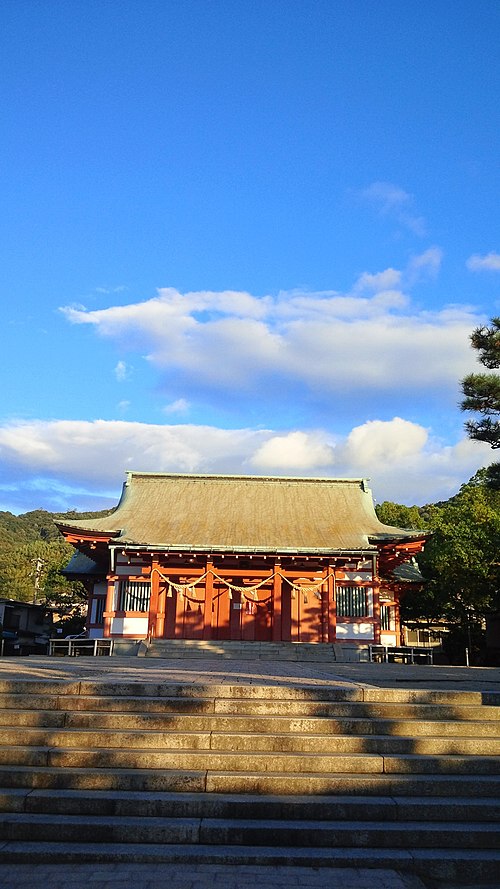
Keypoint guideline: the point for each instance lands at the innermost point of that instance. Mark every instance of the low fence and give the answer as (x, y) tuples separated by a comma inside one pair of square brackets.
[(76, 647), (384, 654)]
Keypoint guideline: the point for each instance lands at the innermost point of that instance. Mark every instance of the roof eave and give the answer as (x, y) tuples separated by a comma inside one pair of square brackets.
[(242, 550)]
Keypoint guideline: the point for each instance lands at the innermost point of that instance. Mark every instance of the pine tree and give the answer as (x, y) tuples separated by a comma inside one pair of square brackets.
[(482, 391)]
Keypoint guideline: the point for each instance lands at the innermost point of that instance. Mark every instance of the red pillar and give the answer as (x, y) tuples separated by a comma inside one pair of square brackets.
[(109, 606), (209, 590), (153, 602), (332, 605), (376, 604), (277, 592)]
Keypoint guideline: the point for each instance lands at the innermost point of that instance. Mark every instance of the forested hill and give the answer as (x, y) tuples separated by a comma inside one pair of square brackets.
[(32, 552)]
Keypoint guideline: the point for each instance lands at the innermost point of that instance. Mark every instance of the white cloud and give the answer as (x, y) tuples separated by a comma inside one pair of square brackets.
[(179, 406), (387, 195), (368, 340), (378, 442), (293, 451), (404, 461), (98, 452), (488, 263), (122, 372), (381, 281), (425, 265), (121, 288), (395, 203)]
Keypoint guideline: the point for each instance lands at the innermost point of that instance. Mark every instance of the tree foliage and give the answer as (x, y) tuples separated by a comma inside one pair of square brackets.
[(461, 560), (400, 516), (32, 555), (482, 390)]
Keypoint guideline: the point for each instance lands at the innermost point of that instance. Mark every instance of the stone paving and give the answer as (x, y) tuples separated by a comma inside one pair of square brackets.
[(161, 876), (232, 672)]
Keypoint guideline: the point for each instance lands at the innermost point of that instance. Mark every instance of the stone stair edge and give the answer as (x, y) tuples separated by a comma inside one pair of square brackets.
[(228, 832), (483, 787), (273, 807), (260, 716), (214, 761), (274, 690), (184, 741)]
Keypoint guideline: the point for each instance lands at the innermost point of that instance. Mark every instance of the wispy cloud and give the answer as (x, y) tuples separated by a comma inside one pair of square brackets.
[(108, 290), (392, 201), (179, 406), (424, 266), (488, 263), (122, 372)]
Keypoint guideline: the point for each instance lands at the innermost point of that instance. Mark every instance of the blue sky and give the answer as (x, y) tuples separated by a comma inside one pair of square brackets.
[(244, 237)]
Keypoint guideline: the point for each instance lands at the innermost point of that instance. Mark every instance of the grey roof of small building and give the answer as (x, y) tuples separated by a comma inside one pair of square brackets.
[(80, 564), (244, 513), (408, 572)]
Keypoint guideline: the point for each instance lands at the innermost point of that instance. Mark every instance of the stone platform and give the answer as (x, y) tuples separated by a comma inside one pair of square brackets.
[(229, 672)]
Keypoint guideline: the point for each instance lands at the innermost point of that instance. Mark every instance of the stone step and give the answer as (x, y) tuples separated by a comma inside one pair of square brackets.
[(252, 832), (212, 760), (461, 865), (209, 805), (300, 692), (336, 772), (395, 783), (190, 722), (251, 782), (370, 744), (247, 742), (224, 706), (256, 651), (133, 779), (159, 758), (265, 692)]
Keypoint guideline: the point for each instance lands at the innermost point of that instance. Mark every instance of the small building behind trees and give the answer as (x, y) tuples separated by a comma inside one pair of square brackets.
[(25, 628), (243, 557)]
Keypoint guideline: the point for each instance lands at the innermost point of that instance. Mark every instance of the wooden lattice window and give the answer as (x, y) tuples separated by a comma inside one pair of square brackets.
[(134, 595), (352, 601)]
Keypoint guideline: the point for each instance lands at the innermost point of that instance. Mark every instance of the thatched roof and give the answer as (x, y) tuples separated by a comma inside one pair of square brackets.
[(245, 514)]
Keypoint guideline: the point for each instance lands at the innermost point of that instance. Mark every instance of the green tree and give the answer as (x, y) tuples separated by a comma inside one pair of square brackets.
[(32, 554), (67, 598), (461, 563), (24, 568), (482, 393), (408, 517)]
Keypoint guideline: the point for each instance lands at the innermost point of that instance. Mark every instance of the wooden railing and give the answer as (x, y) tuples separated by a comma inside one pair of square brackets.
[(76, 647), (384, 654)]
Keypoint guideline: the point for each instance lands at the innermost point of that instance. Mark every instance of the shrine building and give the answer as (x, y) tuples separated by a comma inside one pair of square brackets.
[(243, 557)]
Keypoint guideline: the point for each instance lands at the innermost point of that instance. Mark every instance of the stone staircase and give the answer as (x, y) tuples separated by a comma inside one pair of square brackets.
[(252, 774), (305, 652)]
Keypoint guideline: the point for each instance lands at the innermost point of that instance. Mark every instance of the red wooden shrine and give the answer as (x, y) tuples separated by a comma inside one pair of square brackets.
[(235, 557)]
